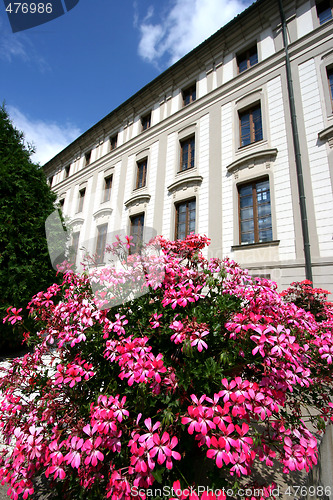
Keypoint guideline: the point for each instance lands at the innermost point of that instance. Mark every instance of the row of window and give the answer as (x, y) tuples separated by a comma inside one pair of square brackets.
[(254, 215)]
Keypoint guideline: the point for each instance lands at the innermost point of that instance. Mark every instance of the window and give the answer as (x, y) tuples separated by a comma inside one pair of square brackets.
[(330, 83), (75, 246), (50, 180), (145, 121), (141, 175), (324, 11), (187, 153), (255, 221), (107, 188), (101, 242), (185, 219), (82, 194), (61, 204), (247, 59), (67, 169), (250, 125), (87, 158), (189, 95), (113, 142), (137, 223)]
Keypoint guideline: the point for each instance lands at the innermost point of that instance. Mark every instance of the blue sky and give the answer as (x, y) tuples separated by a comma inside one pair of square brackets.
[(60, 78)]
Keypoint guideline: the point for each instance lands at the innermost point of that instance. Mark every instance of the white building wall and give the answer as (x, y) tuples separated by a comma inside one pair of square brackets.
[(228, 68), (317, 154), (282, 186), (227, 155), (304, 19), (203, 160), (266, 44), (115, 216), (202, 85), (171, 159), (152, 179), (130, 173)]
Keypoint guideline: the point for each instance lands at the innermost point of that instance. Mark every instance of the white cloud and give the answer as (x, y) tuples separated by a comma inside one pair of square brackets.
[(185, 25), (47, 138)]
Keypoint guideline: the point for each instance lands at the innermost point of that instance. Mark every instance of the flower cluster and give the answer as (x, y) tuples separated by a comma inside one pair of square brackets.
[(165, 363)]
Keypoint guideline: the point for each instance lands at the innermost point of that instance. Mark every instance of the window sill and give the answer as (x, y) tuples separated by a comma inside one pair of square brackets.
[(272, 243), (327, 135)]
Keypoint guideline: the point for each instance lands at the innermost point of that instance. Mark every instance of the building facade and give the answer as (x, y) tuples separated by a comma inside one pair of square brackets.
[(210, 146)]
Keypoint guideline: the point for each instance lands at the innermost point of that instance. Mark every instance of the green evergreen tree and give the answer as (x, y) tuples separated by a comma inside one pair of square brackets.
[(25, 202)]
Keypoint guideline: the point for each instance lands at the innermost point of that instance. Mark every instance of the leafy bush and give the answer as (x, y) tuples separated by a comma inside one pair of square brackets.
[(304, 295), (195, 381), (25, 202)]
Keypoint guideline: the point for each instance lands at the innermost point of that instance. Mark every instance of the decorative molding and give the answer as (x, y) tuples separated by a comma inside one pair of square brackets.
[(185, 182), (257, 91), (138, 198), (327, 135), (268, 154), (102, 212)]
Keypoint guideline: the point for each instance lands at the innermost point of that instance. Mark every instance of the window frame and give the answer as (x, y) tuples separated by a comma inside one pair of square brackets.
[(102, 231), (187, 221), (246, 56), (143, 163), (141, 218), (81, 197), (250, 110), (253, 183), (188, 91), (186, 141), (329, 7), (146, 121), (107, 188)]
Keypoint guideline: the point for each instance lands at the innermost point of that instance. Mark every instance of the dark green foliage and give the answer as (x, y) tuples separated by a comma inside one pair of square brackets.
[(25, 202)]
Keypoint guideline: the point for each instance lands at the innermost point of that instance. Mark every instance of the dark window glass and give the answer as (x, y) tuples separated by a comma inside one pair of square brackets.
[(137, 223), (101, 242), (330, 82), (67, 169), (324, 11), (250, 126), (189, 95), (113, 142), (185, 219), (247, 59), (107, 188), (145, 121), (141, 176), (82, 194), (187, 153), (255, 212), (87, 157)]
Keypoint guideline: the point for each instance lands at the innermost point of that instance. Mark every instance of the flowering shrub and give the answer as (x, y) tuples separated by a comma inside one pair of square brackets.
[(308, 298), (193, 382)]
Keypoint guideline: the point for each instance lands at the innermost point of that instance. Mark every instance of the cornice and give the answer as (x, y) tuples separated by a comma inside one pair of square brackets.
[(137, 198), (184, 181), (327, 135), (254, 155)]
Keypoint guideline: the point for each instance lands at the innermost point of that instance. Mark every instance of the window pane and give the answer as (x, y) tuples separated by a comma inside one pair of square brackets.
[(265, 235), (247, 237), (264, 209), (247, 225), (245, 129), (242, 65), (246, 213), (246, 201), (253, 58), (256, 114), (324, 11)]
